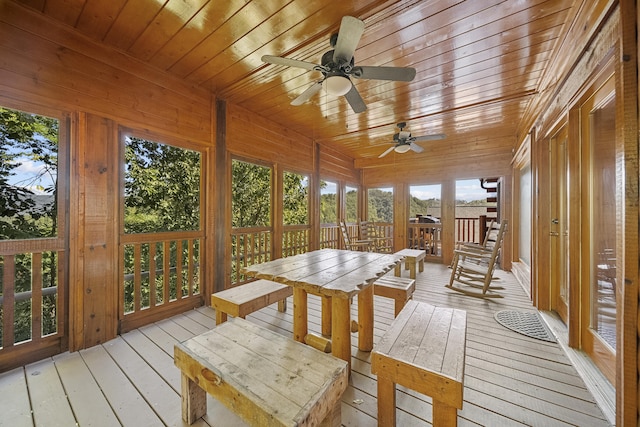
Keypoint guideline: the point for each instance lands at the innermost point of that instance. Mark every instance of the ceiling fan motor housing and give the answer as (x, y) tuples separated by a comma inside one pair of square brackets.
[(342, 68)]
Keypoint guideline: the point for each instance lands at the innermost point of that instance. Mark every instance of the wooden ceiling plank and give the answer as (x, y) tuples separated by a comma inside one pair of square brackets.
[(169, 20), (98, 16), (210, 17), (65, 11), (131, 22), (251, 15)]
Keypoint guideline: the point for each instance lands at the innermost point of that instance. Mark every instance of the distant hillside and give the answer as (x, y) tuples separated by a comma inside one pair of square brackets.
[(462, 211)]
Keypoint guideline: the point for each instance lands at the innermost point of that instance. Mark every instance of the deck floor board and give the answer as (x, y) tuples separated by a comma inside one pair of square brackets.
[(510, 379)]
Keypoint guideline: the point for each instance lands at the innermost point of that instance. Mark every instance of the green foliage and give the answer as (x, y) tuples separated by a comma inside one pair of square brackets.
[(328, 205), (162, 187), (351, 199), (295, 199), (25, 215), (418, 206), (35, 138), (250, 195), (380, 205)]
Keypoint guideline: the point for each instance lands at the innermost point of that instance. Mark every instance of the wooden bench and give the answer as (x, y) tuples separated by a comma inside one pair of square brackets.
[(411, 258), (264, 377), (399, 288), (424, 350), (245, 299)]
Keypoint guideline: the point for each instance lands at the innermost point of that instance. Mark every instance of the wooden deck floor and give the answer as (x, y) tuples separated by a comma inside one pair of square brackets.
[(510, 379)]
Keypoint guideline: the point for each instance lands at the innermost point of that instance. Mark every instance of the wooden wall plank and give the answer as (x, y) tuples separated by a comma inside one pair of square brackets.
[(255, 136), (48, 60)]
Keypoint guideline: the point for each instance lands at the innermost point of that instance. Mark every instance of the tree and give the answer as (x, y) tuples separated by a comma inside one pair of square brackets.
[(380, 205), (251, 195), (35, 138), (25, 215), (295, 199), (162, 187)]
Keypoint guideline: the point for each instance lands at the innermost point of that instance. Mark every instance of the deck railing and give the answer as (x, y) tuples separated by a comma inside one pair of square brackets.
[(159, 271), (468, 230), (32, 295), (29, 303), (427, 237)]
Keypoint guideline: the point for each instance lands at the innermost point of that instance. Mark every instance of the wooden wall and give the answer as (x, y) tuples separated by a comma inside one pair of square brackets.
[(45, 64)]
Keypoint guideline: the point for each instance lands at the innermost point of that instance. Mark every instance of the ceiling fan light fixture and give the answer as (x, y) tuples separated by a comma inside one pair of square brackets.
[(403, 148), (338, 85)]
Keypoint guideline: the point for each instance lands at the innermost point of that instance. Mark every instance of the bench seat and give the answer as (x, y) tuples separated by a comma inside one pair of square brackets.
[(424, 350), (398, 288), (242, 300), (411, 258), (265, 378)]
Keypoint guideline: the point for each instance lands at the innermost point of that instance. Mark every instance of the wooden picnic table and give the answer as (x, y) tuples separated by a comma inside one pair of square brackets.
[(336, 274)]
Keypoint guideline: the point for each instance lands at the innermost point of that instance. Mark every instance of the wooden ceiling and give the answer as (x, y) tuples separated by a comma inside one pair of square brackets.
[(480, 64)]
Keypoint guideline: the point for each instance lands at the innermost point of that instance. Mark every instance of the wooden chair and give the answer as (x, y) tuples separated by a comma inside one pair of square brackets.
[(475, 268), (354, 245), (369, 231), (488, 242)]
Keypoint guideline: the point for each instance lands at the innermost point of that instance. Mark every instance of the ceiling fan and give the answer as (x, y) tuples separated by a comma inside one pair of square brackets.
[(337, 66), (404, 141)]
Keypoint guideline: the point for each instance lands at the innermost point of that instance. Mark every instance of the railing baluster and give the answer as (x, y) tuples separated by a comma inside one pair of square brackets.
[(179, 269), (36, 296), (166, 273), (8, 315), (137, 278), (190, 283), (152, 275)]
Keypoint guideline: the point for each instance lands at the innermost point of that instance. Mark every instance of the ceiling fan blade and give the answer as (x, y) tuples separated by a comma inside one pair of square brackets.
[(429, 137), (355, 100), (397, 74), (415, 147), (307, 94), (390, 149), (351, 30), (276, 60)]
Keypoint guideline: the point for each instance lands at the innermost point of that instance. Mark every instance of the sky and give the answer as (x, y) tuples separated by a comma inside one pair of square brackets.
[(27, 172), (467, 190)]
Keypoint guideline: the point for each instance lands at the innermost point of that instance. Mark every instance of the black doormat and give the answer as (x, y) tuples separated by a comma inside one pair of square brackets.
[(526, 323)]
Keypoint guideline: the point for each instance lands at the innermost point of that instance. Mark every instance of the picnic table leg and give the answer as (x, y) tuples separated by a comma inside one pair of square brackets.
[(396, 271), (365, 319), (326, 316), (341, 329), (300, 324)]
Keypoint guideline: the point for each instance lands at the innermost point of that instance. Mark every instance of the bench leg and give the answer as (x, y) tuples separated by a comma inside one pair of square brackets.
[(194, 401), (221, 317), (444, 415), (386, 402), (282, 305), (333, 418), (399, 305), (397, 271), (412, 269), (421, 265)]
